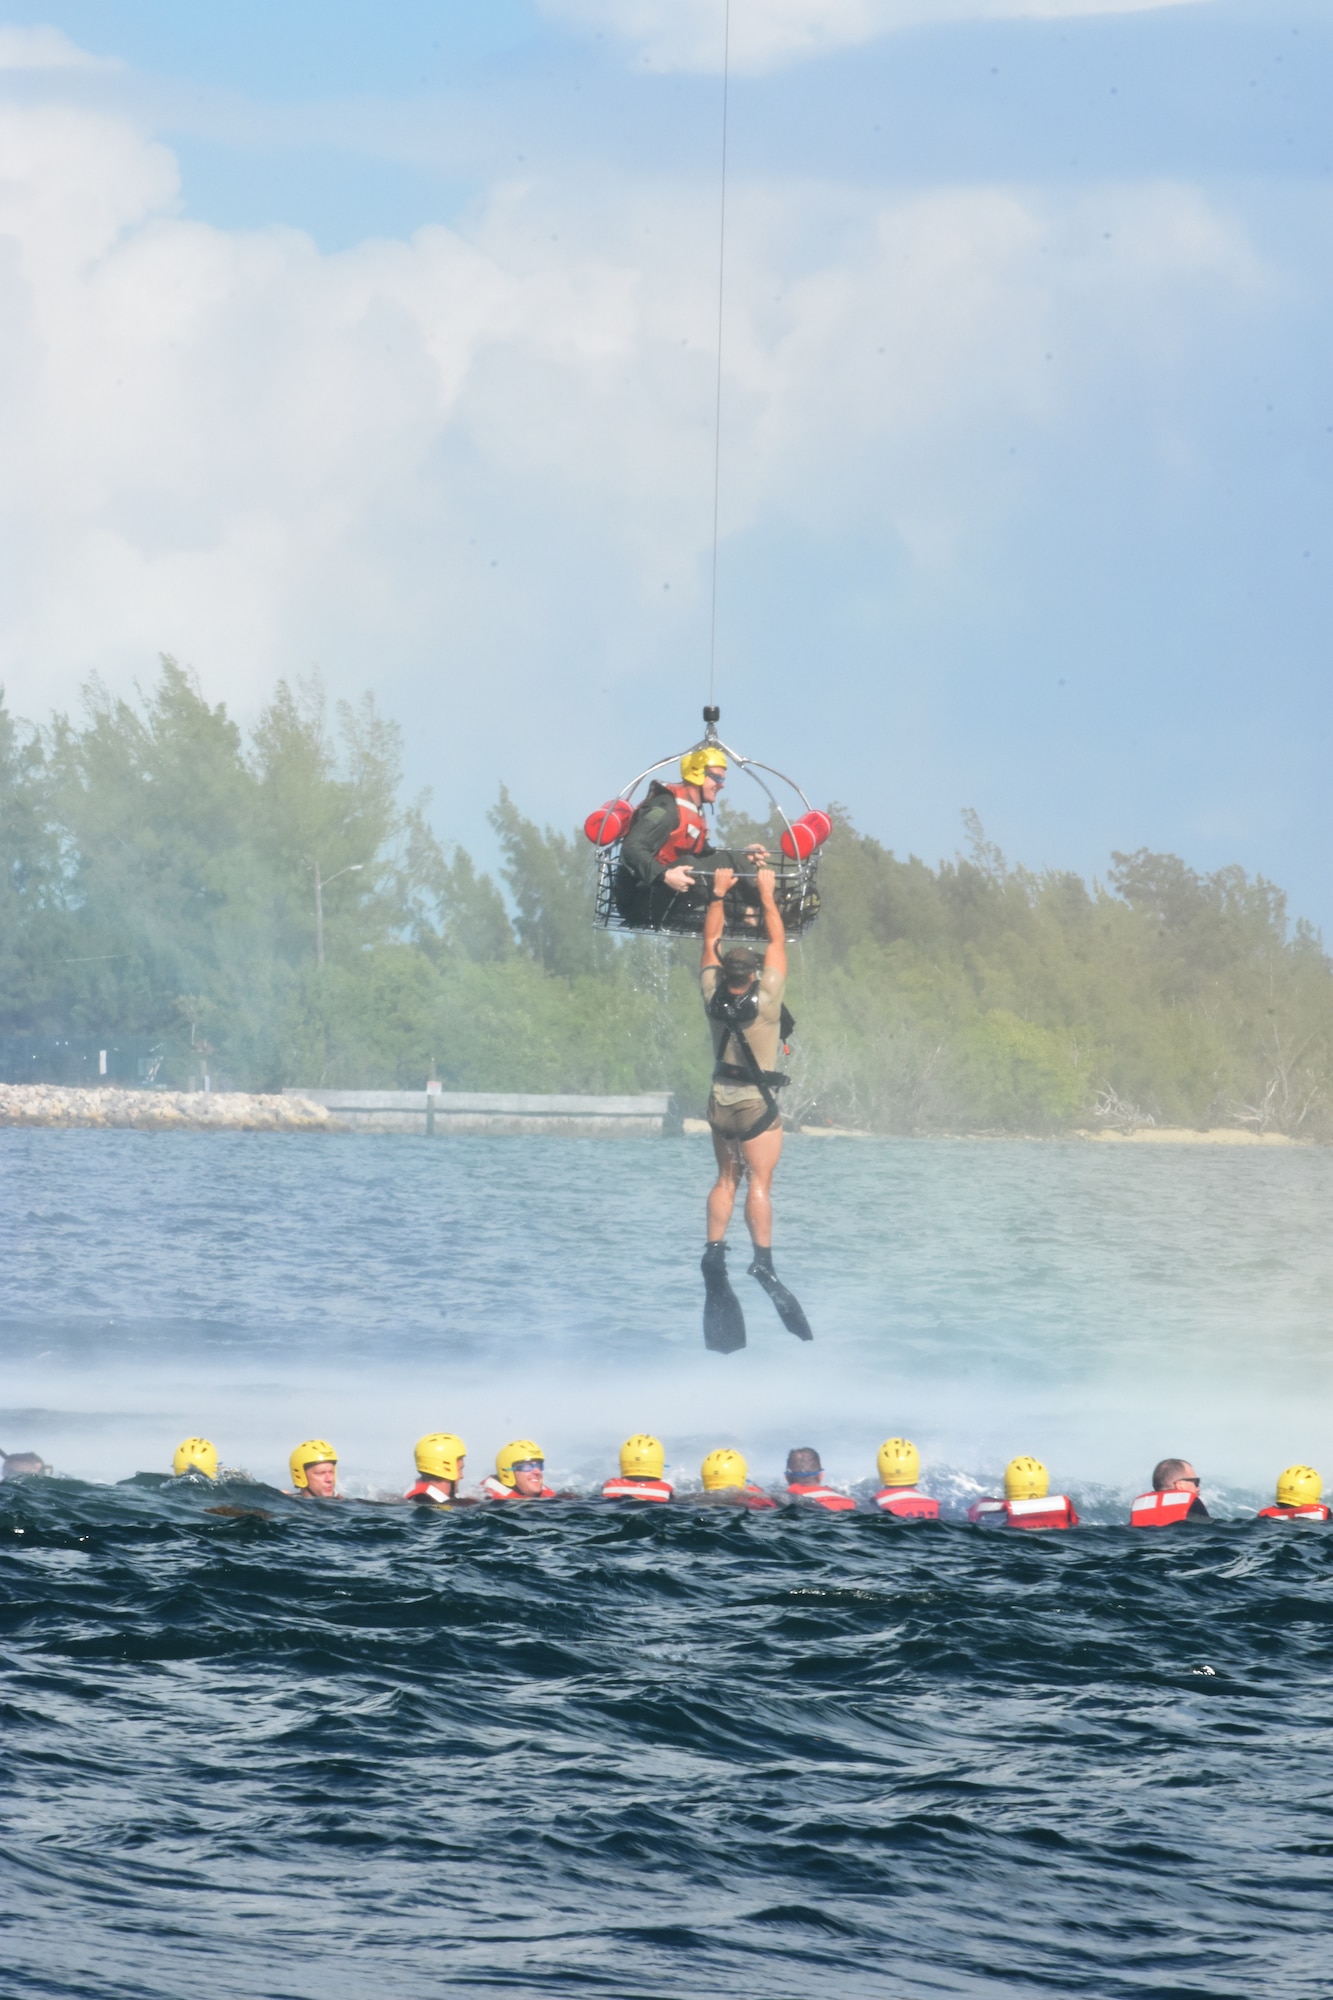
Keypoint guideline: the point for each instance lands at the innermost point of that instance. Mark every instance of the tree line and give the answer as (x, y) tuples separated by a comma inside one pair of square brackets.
[(165, 877)]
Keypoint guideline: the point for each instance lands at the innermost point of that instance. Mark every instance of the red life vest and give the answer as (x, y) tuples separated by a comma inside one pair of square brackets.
[(1052, 1512), (1161, 1510), (907, 1503), (622, 1488), (823, 1496), (495, 1489), (690, 833), (426, 1489), (1317, 1511)]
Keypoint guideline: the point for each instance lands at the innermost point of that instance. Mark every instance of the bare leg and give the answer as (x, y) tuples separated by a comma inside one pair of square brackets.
[(722, 1195), (761, 1159)]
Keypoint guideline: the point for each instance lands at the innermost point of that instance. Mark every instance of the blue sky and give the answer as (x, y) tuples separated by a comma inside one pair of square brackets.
[(381, 341)]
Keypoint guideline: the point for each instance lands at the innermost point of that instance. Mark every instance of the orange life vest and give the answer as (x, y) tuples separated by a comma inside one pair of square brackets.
[(622, 1488), (823, 1496), (690, 833), (1054, 1511), (426, 1489), (1317, 1511), (495, 1489), (1161, 1510), (907, 1503)]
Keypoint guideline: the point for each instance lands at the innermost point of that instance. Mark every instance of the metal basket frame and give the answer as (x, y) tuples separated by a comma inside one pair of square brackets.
[(795, 885)]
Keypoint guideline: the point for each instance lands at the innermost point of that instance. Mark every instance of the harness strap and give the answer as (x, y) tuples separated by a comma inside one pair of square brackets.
[(748, 1071)]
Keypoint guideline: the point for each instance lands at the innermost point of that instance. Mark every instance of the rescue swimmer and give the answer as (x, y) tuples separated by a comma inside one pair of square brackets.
[(1299, 1497), (668, 832), (641, 1476), (1028, 1501), (520, 1473), (314, 1470), (727, 1482), (1174, 1497), (805, 1481), (742, 994), (439, 1460), (899, 1466)]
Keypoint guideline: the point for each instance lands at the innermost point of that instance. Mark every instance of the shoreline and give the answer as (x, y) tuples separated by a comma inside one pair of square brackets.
[(56, 1107)]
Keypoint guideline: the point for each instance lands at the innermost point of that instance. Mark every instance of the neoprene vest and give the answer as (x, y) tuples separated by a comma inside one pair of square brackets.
[(1160, 1510), (1054, 1511), (1316, 1511), (622, 1488), (823, 1496), (907, 1503), (426, 1489), (690, 833), (495, 1489)]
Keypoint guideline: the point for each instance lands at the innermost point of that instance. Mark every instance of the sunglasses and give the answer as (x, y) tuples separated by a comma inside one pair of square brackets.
[(529, 1465), (1192, 1479)]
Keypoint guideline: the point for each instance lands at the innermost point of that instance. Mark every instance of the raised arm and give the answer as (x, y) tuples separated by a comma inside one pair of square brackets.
[(775, 958), (714, 915)]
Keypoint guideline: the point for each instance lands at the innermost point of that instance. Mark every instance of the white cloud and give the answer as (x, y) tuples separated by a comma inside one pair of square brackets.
[(46, 48), (464, 466), (767, 34)]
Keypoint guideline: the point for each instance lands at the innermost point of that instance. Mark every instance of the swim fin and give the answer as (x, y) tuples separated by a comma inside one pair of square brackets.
[(785, 1304), (724, 1322)]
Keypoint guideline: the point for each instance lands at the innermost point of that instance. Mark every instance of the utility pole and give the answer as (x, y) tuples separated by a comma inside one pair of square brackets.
[(353, 868)]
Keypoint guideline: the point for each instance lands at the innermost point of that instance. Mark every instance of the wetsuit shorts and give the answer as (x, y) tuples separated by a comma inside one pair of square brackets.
[(729, 1121)]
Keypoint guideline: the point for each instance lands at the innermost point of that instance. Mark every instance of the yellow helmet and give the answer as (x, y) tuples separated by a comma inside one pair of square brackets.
[(1299, 1486), (723, 1470), (1026, 1479), (899, 1462), (315, 1451), (440, 1456), (695, 764), (642, 1457), (196, 1455), (514, 1454)]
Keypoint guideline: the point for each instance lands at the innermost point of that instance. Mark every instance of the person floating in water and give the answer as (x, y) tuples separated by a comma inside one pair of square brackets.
[(654, 875), (642, 1464), (1174, 1497), (1299, 1497), (899, 1465), (22, 1465), (314, 1469), (520, 1473), (1028, 1501), (727, 1483), (805, 1481), (743, 998), (439, 1462)]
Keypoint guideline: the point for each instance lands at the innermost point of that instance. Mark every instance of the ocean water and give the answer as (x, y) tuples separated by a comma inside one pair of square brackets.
[(354, 1752)]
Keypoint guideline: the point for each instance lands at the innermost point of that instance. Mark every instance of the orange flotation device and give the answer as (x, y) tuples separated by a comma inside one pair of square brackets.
[(805, 834), (907, 1504), (608, 824)]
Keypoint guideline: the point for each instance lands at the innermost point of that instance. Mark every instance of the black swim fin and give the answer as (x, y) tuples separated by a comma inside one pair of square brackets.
[(785, 1304), (724, 1322)]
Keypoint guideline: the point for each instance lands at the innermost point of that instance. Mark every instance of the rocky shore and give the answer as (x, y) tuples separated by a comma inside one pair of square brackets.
[(161, 1110)]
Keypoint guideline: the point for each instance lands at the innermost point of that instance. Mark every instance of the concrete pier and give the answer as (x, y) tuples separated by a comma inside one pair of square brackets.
[(525, 1114)]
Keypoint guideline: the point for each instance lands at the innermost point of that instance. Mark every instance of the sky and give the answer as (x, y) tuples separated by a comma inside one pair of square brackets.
[(382, 343)]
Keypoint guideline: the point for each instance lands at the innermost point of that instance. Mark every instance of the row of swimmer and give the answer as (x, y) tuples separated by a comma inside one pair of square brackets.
[(1027, 1502)]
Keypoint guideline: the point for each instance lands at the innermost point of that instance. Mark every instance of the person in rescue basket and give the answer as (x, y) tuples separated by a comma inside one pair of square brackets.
[(899, 1465), (743, 999), (1299, 1491), (805, 1481), (1028, 1501), (642, 1464), (1174, 1497), (668, 833)]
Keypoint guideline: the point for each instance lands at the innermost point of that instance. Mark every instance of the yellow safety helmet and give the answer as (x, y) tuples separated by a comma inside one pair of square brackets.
[(315, 1451), (642, 1457), (722, 1470), (899, 1462), (1026, 1479), (196, 1455), (1299, 1486), (440, 1456), (696, 764), (514, 1454)]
